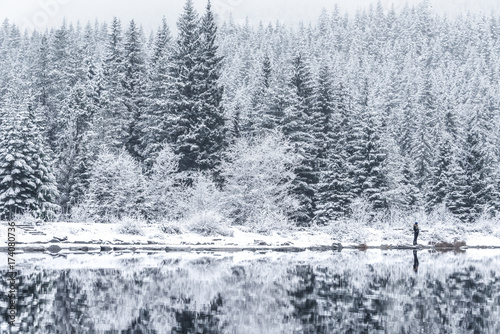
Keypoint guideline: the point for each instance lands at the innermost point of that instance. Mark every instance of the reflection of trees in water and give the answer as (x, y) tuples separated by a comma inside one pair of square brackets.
[(262, 296), (70, 309), (205, 322), (326, 301)]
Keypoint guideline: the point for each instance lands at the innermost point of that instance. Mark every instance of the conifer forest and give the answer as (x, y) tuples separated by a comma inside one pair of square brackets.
[(256, 125)]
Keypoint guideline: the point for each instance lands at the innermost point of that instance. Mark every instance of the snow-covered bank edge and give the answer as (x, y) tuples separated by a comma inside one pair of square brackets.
[(86, 237)]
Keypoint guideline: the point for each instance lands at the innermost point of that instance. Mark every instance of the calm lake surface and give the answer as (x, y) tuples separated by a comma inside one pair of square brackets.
[(308, 292)]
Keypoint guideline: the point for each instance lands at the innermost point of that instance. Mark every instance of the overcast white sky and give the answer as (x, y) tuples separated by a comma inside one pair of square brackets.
[(41, 14)]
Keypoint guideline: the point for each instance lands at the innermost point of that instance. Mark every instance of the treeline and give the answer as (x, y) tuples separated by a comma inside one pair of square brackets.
[(398, 110)]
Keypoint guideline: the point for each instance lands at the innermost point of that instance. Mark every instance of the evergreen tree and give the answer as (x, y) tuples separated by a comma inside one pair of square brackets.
[(27, 183), (262, 99), (198, 133), (458, 190), (298, 129), (134, 84), (366, 154), (156, 116), (76, 154), (409, 196), (477, 172), (112, 122), (60, 77), (213, 130), (423, 142), (441, 175), (333, 196)]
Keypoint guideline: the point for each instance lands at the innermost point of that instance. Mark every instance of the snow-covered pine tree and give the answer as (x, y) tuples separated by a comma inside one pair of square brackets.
[(76, 151), (262, 98), (27, 182), (212, 129), (422, 150), (298, 128), (134, 84), (477, 169), (441, 175), (112, 123), (324, 122), (333, 191), (448, 147), (366, 155), (198, 132), (185, 88), (156, 115), (409, 196), (60, 80), (40, 73), (458, 190)]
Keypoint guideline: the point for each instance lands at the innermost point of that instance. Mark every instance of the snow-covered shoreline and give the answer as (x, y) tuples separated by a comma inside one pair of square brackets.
[(88, 237)]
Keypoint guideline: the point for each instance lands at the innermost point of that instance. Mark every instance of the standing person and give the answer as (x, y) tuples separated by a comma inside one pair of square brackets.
[(415, 233)]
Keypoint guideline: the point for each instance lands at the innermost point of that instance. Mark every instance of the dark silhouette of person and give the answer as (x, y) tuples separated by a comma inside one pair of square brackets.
[(415, 233), (415, 261)]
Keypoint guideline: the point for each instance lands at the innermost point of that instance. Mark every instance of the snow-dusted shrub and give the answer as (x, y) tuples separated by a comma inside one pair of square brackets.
[(130, 225), (164, 190), (361, 211), (486, 226), (171, 227), (115, 187), (81, 213), (202, 207), (258, 181), (268, 220), (203, 195), (208, 223), (27, 217)]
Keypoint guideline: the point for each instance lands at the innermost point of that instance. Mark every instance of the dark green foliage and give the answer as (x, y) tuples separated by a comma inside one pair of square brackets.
[(134, 85), (198, 131), (331, 121), (27, 183), (155, 119), (366, 156), (76, 155), (299, 130)]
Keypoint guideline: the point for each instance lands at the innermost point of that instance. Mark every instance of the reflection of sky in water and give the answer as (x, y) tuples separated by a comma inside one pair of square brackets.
[(260, 293)]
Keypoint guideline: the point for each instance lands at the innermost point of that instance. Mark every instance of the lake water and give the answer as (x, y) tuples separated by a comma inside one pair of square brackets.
[(309, 292)]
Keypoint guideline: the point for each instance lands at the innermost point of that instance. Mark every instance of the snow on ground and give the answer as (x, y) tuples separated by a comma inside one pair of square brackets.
[(151, 234)]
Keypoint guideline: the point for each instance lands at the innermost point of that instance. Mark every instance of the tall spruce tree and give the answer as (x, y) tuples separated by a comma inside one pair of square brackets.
[(441, 175), (156, 116), (212, 129), (333, 196), (74, 159), (27, 182), (134, 82), (324, 115), (423, 143), (262, 99), (367, 157), (112, 125), (198, 132), (299, 130)]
